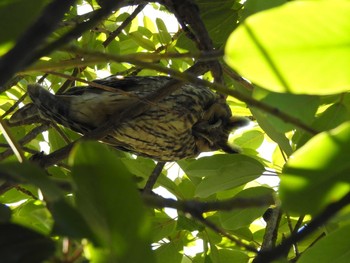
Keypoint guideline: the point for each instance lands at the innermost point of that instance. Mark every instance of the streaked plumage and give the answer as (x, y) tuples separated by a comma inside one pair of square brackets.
[(190, 120)]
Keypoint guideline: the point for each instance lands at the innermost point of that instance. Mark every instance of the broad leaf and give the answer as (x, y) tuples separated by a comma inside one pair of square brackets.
[(332, 248), (250, 139), (109, 201), (255, 6), (20, 244), (318, 173), (29, 173), (243, 217), (333, 116), (302, 107), (306, 51), (272, 131), (233, 255), (15, 17), (223, 171), (170, 252)]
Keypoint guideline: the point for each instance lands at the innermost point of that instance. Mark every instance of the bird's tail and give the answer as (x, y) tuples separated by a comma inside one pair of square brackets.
[(49, 105), (45, 106)]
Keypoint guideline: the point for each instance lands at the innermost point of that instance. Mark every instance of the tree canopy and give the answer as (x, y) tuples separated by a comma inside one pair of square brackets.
[(283, 64)]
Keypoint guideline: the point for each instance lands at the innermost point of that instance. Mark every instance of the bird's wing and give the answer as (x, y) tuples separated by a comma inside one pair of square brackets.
[(133, 83)]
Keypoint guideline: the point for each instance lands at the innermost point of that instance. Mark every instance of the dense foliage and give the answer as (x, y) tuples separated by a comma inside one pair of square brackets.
[(283, 64)]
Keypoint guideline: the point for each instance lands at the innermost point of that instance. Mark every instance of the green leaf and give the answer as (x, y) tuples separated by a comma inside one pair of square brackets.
[(272, 131), (185, 223), (170, 252), (141, 167), (220, 18), (34, 215), (142, 41), (20, 244), (55, 139), (255, 6), (232, 255), (318, 173), (332, 248), (164, 35), (15, 17), (243, 217), (306, 52), (13, 195), (69, 222), (223, 171), (162, 226), (302, 107), (148, 23), (66, 217), (333, 116), (250, 139), (109, 201), (29, 173)]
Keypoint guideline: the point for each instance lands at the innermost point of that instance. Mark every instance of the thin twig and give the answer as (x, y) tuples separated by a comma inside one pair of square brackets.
[(153, 178), (14, 106), (200, 207), (60, 132), (16, 148), (281, 250), (93, 58), (234, 239), (30, 136), (126, 22), (78, 29)]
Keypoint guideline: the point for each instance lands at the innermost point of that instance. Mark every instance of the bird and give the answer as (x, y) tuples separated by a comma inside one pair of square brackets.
[(190, 120)]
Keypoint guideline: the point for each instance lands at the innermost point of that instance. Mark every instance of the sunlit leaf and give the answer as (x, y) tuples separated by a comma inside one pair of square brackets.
[(318, 173), (142, 41), (164, 35), (305, 52), (250, 139)]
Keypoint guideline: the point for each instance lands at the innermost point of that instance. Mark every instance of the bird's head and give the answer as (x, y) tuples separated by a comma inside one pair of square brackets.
[(213, 130)]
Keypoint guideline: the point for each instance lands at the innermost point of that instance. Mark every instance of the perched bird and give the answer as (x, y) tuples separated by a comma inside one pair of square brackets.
[(190, 120)]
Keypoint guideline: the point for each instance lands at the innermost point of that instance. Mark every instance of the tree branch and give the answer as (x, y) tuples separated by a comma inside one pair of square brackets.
[(195, 207), (30, 136), (313, 225), (193, 79), (20, 55), (127, 21), (153, 178)]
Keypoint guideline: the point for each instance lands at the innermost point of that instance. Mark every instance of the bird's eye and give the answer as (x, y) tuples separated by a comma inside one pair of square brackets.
[(215, 123)]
